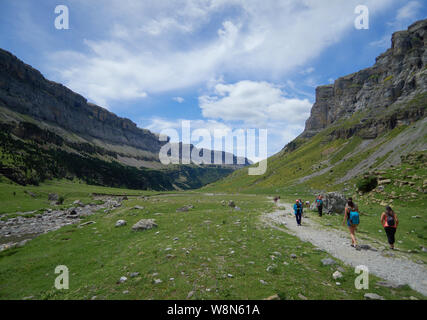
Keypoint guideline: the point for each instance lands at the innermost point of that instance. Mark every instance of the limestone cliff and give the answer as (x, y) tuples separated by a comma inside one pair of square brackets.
[(24, 89), (386, 94)]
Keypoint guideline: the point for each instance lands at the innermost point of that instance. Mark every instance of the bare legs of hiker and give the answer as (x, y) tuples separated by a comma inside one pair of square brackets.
[(353, 236)]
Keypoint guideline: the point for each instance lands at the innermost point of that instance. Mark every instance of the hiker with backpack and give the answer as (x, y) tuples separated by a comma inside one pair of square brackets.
[(351, 214), (319, 205), (298, 211), (389, 221)]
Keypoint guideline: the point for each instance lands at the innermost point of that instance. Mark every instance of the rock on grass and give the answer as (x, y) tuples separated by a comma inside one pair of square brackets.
[(144, 224), (328, 261), (373, 296)]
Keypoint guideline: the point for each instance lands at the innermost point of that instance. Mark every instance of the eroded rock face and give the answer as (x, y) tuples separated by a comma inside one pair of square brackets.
[(24, 89), (333, 202), (382, 91)]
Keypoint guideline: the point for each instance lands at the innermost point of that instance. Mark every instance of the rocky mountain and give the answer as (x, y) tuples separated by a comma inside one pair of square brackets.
[(34, 110), (397, 77), (363, 123)]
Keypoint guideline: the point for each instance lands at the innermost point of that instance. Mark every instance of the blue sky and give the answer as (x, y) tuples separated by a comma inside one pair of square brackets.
[(221, 64)]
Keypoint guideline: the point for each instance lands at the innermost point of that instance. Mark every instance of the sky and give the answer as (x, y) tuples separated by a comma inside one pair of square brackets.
[(224, 65)]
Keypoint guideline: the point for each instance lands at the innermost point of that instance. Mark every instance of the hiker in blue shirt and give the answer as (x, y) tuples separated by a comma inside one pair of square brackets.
[(319, 205), (298, 211), (351, 215)]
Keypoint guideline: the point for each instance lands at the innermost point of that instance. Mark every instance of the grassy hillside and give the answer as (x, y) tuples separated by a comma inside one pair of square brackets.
[(40, 155), (323, 162)]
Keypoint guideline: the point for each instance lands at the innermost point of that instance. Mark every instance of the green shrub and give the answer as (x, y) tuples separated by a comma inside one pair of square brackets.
[(61, 200), (367, 184)]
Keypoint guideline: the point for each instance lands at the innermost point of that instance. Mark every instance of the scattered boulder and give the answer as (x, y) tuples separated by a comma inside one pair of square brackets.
[(122, 279), (185, 208), (273, 297), (328, 261), (380, 188), (387, 284), (293, 256), (337, 275), (134, 274), (138, 208), (86, 223), (144, 224), (231, 203), (120, 223), (78, 203), (53, 197), (383, 182), (373, 296), (302, 297)]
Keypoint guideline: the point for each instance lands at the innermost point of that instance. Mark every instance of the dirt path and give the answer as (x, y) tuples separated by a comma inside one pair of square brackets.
[(398, 271)]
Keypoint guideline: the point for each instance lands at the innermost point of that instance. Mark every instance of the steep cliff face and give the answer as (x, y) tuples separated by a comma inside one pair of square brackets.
[(379, 93), (25, 90), (48, 131)]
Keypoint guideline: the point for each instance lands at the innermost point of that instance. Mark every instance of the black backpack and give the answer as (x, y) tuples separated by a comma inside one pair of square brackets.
[(390, 221)]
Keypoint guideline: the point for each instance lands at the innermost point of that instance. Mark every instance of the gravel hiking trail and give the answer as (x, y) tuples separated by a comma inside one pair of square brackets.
[(395, 270)]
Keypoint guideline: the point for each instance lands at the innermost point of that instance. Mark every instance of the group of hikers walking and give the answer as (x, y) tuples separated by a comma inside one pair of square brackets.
[(351, 217)]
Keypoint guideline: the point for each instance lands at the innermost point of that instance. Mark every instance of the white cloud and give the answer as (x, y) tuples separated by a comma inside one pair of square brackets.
[(409, 11), (307, 71), (384, 42), (158, 46), (406, 15), (259, 105), (254, 103), (178, 99)]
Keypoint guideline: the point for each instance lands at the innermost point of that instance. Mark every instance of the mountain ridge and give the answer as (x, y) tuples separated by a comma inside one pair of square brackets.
[(48, 131)]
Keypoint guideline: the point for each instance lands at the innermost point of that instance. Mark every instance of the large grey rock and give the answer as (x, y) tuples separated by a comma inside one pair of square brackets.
[(231, 203), (144, 224), (333, 202)]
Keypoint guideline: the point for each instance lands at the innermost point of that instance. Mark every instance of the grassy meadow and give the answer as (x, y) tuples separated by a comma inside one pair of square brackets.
[(210, 252)]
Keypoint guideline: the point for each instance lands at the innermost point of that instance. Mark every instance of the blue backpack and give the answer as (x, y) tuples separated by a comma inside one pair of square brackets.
[(354, 217)]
